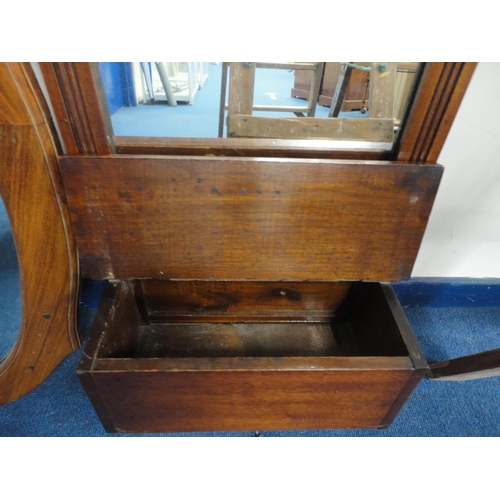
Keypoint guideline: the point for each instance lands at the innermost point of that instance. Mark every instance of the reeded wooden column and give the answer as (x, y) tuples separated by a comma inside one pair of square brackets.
[(32, 192)]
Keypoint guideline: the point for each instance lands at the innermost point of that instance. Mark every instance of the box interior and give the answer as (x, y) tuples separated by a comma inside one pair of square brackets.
[(316, 320)]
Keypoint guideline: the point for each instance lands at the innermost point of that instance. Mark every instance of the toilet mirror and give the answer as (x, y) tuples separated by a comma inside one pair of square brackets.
[(348, 105)]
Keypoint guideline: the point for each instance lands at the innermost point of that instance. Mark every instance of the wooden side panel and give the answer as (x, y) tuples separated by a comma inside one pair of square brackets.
[(251, 300), (31, 189), (230, 219), (248, 400)]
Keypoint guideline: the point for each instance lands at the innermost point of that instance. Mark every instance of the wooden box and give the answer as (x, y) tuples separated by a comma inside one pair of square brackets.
[(214, 356), (244, 292)]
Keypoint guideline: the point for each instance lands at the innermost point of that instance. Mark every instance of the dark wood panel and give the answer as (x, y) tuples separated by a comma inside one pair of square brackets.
[(250, 300), (239, 400), (122, 325), (215, 340), (376, 330), (412, 382), (480, 365), (226, 218)]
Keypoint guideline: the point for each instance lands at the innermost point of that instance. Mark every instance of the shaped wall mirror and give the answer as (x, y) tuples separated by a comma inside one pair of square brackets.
[(350, 105), (124, 108)]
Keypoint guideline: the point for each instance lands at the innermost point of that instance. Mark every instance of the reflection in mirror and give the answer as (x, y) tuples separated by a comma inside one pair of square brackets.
[(349, 103), (10, 290)]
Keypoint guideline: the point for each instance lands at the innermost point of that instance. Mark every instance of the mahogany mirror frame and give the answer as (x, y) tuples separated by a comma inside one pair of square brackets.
[(31, 186)]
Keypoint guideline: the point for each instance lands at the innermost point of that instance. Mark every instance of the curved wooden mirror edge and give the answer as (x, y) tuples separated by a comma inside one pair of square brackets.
[(33, 196)]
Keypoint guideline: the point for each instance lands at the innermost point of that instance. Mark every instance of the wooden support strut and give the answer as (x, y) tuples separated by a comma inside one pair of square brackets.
[(481, 365)]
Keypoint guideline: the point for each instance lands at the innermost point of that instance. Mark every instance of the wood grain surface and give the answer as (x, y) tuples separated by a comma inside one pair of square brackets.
[(80, 107), (479, 365), (342, 129), (32, 192), (434, 108), (244, 376), (148, 401), (253, 219), (225, 301)]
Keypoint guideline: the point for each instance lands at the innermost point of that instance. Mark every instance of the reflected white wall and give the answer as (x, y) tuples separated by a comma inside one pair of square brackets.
[(463, 235)]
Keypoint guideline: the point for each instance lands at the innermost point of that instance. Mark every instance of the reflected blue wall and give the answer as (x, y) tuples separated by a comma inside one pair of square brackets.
[(118, 85), (10, 286)]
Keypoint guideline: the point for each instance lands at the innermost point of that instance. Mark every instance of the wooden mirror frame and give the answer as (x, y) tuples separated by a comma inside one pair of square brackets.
[(31, 187), (80, 108)]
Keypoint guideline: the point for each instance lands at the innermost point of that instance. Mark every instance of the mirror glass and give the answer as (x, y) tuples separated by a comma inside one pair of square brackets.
[(348, 104), (10, 289)]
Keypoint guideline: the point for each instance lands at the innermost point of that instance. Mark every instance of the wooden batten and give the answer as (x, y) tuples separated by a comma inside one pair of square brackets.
[(343, 129)]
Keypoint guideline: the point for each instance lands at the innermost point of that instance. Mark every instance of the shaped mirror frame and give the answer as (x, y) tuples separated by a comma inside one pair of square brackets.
[(80, 108)]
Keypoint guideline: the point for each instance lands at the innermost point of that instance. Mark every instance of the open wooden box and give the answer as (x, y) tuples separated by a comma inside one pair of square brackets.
[(167, 356), (244, 292)]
